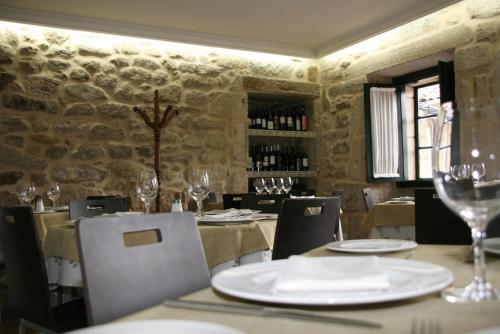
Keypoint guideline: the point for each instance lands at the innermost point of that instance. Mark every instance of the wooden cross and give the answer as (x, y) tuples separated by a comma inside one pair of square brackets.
[(157, 125)]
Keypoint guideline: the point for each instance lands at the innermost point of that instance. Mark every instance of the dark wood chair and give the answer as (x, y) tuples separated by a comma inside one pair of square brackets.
[(303, 192), (263, 203), (28, 288), (232, 201), (304, 224), (435, 223), (121, 276), (96, 207)]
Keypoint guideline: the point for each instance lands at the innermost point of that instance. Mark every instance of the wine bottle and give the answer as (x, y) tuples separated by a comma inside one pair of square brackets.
[(289, 120), (265, 163), (305, 162), (283, 124), (297, 120), (259, 158), (272, 158), (303, 121), (270, 119)]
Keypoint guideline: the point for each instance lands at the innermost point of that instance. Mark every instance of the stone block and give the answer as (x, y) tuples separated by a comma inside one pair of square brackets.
[(483, 9), (117, 151), (199, 83), (271, 86), (312, 74), (42, 85), (57, 65), (90, 50), (16, 141), (9, 178), (204, 123), (146, 63), (195, 98), (487, 31), (120, 62), (12, 124), (6, 54), (144, 151), (55, 37), (73, 127), (125, 92), (6, 78), (56, 152), (78, 173), (170, 94), (87, 152), (24, 103), (114, 110), (105, 132), (64, 53), (79, 75), (105, 81), (471, 57), (79, 109), (9, 37), (30, 66), (199, 69), (92, 66), (136, 75), (13, 157), (85, 92), (39, 179), (8, 199)]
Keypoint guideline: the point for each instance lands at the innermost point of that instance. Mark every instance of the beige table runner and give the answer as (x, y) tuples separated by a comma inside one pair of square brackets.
[(45, 220), (390, 214), (396, 317), (221, 243)]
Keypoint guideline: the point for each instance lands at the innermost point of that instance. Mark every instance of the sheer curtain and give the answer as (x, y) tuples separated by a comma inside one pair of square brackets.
[(385, 134)]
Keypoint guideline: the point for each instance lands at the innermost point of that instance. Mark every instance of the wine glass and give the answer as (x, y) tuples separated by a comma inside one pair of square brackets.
[(198, 187), (278, 183), (287, 184), (259, 185), (474, 196), (54, 192), (269, 185), (26, 193), (147, 187)]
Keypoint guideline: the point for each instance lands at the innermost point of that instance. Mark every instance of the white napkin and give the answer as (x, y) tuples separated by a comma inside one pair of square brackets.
[(327, 274), (230, 213)]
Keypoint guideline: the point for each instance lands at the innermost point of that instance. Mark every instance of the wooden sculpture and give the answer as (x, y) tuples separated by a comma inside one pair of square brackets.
[(157, 125)]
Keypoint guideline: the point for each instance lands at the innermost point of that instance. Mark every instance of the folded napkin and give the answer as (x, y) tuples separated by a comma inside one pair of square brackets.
[(122, 214), (327, 274), (230, 213)]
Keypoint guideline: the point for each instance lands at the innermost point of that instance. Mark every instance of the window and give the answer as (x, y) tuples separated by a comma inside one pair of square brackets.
[(417, 97)]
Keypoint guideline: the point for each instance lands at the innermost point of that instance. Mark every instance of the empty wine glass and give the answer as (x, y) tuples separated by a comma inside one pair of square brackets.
[(54, 192), (269, 185), (198, 187), (287, 184), (469, 182), (278, 183), (259, 185), (147, 187), (26, 193)]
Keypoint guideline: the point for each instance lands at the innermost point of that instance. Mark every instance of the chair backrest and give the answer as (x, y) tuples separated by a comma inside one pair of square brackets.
[(435, 223), (263, 203), (134, 262), (28, 291), (96, 207), (232, 200), (304, 224), (367, 194), (303, 192)]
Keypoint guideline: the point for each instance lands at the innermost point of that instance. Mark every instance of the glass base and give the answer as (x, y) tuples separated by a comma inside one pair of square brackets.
[(475, 292)]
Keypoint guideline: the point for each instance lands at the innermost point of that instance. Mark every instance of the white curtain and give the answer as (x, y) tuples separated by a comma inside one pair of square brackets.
[(385, 135)]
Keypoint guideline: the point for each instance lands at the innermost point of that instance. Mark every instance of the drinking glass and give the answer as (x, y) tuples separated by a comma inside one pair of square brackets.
[(466, 172), (278, 183), (269, 185), (147, 187), (198, 187), (287, 184), (54, 192), (259, 185), (26, 193)]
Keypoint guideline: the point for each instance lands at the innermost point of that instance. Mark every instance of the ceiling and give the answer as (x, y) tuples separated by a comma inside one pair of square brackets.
[(303, 28)]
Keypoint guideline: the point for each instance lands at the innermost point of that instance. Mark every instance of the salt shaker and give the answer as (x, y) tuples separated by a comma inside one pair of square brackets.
[(39, 207), (176, 203)]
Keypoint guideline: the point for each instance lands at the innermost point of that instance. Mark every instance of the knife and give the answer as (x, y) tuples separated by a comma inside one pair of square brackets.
[(266, 312)]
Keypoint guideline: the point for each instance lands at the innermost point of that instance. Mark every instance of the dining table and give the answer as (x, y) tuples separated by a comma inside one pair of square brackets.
[(398, 316), (391, 220), (225, 245)]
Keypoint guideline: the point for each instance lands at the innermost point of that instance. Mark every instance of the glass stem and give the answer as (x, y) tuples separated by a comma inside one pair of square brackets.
[(146, 207), (478, 235), (199, 203)]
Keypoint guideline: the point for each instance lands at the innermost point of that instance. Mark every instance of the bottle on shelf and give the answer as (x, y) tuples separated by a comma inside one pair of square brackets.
[(289, 120), (270, 119), (305, 162), (303, 119)]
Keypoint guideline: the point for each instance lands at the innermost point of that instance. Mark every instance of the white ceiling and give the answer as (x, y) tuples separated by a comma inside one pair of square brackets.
[(305, 28)]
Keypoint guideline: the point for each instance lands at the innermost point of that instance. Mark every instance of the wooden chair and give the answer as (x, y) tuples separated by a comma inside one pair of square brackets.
[(304, 224), (303, 192), (263, 203), (96, 207), (28, 287), (232, 201), (134, 262), (339, 236)]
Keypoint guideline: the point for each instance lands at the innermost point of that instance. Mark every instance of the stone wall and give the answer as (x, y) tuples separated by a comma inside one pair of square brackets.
[(66, 114), (470, 29)]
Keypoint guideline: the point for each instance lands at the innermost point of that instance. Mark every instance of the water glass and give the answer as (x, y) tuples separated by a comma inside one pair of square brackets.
[(26, 193), (147, 187), (278, 183), (198, 187), (259, 185), (287, 184), (269, 185), (54, 192)]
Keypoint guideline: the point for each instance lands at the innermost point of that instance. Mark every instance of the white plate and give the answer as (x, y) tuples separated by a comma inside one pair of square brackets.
[(371, 245), (492, 245), (408, 279), (404, 198), (159, 326)]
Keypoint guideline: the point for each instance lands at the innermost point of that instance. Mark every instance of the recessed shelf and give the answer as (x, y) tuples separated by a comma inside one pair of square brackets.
[(281, 133), (309, 173)]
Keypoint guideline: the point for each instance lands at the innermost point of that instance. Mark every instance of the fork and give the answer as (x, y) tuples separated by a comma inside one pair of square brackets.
[(425, 326)]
